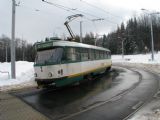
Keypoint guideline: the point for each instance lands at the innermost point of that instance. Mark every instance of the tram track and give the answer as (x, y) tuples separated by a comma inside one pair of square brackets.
[(139, 107), (155, 95), (136, 107), (100, 103)]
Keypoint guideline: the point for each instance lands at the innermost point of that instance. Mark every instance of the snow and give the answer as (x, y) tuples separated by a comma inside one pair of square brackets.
[(24, 75), (139, 58), (148, 112)]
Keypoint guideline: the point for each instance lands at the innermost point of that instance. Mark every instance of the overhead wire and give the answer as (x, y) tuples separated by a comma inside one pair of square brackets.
[(72, 10), (75, 9), (69, 9), (59, 6), (40, 10), (94, 6)]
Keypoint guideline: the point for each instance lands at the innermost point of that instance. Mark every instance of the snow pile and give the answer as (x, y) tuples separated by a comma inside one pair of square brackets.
[(149, 112), (24, 75), (140, 58)]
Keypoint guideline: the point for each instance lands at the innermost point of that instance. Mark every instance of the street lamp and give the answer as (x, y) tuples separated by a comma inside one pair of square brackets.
[(81, 32), (122, 47), (96, 39), (152, 41)]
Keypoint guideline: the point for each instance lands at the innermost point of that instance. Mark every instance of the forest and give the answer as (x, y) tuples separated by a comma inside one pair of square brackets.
[(135, 34), (24, 51)]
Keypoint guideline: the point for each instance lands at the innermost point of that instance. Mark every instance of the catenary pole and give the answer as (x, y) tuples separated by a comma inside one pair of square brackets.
[(122, 48), (6, 53), (13, 69), (152, 42), (80, 31)]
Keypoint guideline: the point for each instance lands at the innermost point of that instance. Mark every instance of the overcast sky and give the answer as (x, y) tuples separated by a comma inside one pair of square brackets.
[(36, 20)]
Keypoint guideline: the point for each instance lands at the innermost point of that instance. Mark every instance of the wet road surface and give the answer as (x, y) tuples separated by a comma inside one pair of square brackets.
[(111, 96)]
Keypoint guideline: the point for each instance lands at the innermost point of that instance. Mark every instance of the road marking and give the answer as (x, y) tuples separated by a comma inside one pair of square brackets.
[(137, 105), (94, 106), (157, 95), (116, 98)]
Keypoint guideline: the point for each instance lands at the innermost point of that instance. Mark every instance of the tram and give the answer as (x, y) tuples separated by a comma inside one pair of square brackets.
[(62, 63)]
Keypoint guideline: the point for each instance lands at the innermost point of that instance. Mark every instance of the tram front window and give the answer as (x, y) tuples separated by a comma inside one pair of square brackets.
[(51, 56)]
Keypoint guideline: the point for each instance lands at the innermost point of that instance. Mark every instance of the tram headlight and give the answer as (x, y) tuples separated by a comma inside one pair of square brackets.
[(49, 74), (35, 75)]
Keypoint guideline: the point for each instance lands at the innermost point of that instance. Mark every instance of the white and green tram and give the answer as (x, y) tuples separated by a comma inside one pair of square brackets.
[(62, 63)]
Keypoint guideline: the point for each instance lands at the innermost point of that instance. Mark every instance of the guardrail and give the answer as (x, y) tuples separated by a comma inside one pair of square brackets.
[(6, 73)]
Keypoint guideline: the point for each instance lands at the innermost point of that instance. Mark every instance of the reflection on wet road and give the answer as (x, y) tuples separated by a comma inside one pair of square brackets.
[(66, 102)]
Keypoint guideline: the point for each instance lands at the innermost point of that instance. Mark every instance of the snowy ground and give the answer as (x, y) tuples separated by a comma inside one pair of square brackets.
[(140, 58), (24, 75), (149, 112)]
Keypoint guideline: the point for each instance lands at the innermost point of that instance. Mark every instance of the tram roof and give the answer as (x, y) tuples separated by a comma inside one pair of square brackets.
[(63, 43)]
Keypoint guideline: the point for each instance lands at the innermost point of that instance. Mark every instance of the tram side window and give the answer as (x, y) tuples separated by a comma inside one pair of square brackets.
[(84, 54), (92, 52), (101, 54), (70, 54), (96, 54), (78, 55), (104, 55)]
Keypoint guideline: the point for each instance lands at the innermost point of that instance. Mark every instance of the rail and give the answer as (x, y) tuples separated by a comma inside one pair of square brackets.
[(6, 72)]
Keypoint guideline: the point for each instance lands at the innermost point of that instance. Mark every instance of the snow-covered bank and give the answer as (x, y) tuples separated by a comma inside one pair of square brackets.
[(24, 75), (139, 58), (148, 112)]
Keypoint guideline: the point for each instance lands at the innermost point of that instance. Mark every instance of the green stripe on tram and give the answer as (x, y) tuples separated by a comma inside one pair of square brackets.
[(77, 77)]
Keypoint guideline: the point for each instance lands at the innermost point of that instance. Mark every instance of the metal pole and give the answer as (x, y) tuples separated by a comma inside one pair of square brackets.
[(6, 54), (13, 69), (81, 31), (122, 50), (152, 42), (96, 39), (95, 42)]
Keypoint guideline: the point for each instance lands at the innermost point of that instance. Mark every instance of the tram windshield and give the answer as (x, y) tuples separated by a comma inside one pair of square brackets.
[(51, 56)]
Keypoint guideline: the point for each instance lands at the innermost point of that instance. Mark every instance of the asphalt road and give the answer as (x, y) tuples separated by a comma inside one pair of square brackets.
[(111, 96)]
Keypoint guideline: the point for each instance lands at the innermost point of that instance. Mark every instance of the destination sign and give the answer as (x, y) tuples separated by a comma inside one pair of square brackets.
[(44, 45)]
